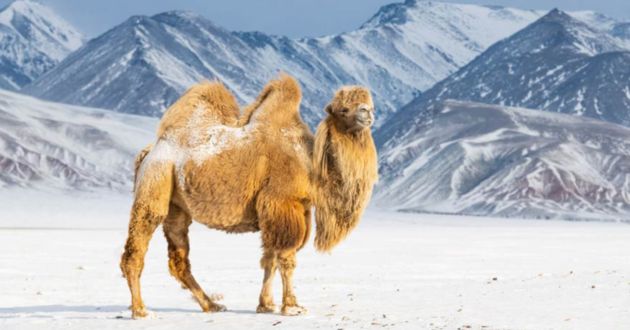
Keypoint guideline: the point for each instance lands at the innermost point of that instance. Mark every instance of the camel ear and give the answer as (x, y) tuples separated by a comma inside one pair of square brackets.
[(329, 109)]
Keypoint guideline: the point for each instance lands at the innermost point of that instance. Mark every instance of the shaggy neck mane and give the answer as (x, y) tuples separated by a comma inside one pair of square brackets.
[(345, 169)]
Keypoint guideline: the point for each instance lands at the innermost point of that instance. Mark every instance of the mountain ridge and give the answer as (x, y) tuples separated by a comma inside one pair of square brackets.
[(33, 39), (542, 67), (396, 61)]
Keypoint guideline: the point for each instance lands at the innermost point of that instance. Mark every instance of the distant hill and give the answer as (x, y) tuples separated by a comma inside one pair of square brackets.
[(480, 159), (55, 146)]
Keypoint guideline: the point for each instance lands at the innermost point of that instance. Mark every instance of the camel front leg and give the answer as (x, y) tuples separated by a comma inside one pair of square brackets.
[(287, 263), (283, 230), (269, 264)]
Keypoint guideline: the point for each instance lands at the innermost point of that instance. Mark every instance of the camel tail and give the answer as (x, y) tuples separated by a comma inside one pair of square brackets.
[(138, 162)]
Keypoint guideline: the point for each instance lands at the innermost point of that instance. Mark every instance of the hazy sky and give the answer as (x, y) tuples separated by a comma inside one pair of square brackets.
[(294, 18)]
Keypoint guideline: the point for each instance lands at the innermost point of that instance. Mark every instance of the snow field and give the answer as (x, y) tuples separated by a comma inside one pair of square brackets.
[(398, 271)]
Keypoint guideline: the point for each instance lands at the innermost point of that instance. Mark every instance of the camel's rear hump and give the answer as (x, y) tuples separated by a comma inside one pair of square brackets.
[(203, 105), (278, 103)]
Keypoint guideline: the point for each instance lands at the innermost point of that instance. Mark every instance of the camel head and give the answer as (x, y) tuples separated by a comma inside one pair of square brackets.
[(344, 165), (352, 109)]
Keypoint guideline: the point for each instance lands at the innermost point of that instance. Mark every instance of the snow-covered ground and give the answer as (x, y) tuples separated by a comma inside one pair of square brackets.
[(59, 270)]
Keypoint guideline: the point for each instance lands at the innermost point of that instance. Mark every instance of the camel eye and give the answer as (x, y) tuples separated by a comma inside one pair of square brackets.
[(364, 108), (344, 110)]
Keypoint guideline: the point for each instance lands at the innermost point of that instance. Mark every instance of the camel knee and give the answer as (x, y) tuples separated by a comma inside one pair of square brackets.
[(287, 261), (129, 263), (268, 260)]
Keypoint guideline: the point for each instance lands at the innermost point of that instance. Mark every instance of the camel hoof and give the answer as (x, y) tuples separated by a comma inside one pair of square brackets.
[(266, 309), (215, 308), (139, 313), (293, 310)]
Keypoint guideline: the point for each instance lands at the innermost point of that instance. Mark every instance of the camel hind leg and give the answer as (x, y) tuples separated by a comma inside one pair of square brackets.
[(150, 208), (176, 233)]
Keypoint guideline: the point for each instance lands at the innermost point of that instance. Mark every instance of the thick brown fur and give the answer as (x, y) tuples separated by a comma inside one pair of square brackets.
[(253, 172), (344, 167)]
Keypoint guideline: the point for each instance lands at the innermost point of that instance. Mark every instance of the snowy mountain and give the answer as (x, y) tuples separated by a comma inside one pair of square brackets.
[(142, 65), (49, 145), (595, 20), (556, 64), (481, 159), (33, 39), (616, 28), (621, 30)]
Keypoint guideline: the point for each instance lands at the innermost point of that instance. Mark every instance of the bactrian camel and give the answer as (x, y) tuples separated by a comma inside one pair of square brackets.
[(261, 170)]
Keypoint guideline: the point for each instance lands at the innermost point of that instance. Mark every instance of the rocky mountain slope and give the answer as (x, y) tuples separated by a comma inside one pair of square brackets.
[(482, 159)]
